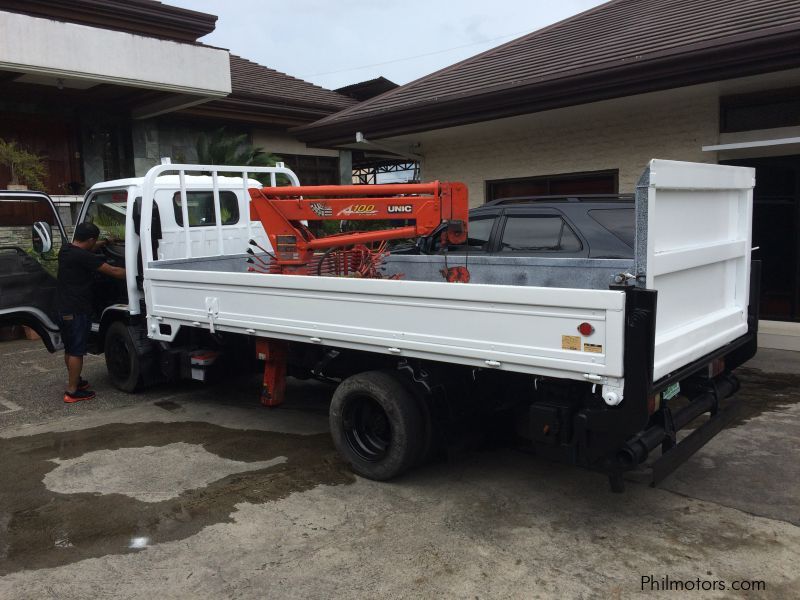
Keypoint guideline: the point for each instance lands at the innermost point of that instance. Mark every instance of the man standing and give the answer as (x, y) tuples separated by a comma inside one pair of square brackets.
[(77, 263)]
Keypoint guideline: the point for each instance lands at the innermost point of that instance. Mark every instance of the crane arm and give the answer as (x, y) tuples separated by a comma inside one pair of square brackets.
[(281, 211)]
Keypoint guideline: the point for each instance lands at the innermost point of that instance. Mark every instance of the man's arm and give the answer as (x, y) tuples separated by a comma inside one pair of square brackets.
[(115, 272)]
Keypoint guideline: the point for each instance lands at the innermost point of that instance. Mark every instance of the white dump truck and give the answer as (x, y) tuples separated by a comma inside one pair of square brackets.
[(592, 361)]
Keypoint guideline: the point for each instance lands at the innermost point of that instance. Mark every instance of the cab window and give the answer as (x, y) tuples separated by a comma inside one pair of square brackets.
[(107, 210), (200, 208)]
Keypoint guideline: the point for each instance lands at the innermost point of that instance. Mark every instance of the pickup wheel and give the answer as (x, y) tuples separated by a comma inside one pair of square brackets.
[(126, 359), (376, 425)]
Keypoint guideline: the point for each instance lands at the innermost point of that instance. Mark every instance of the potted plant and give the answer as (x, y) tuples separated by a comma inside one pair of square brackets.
[(27, 169)]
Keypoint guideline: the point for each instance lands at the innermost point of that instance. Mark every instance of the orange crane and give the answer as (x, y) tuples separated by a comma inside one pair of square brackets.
[(284, 212), (296, 250)]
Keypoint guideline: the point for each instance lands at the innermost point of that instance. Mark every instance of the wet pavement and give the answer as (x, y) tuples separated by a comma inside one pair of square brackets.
[(198, 492), (91, 492)]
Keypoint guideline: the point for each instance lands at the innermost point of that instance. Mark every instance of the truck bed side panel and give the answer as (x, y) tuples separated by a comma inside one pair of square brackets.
[(521, 329)]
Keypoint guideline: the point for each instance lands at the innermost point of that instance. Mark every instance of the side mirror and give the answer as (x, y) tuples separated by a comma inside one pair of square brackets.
[(42, 236)]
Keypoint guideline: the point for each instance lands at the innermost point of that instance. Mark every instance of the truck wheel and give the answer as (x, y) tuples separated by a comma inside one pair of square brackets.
[(123, 357), (376, 425)]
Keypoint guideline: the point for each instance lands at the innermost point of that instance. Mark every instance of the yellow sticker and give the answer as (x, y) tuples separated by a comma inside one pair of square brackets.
[(571, 342), (596, 348)]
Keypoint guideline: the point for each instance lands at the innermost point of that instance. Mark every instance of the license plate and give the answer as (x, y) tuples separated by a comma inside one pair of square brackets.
[(671, 391)]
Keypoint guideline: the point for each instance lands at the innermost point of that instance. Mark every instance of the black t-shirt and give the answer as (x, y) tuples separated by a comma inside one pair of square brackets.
[(76, 268)]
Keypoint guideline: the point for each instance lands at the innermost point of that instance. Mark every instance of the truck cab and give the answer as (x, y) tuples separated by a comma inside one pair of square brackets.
[(32, 233)]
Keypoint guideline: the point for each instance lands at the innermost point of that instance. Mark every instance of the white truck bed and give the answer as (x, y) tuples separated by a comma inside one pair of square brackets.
[(692, 246), (506, 327)]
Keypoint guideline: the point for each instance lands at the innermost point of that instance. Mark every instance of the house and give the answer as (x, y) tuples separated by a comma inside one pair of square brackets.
[(582, 105), (104, 89)]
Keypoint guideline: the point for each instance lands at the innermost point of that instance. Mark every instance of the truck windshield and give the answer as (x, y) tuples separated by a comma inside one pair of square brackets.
[(107, 210)]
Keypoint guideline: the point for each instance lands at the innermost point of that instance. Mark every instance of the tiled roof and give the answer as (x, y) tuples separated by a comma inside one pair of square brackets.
[(596, 54), (364, 90), (253, 81)]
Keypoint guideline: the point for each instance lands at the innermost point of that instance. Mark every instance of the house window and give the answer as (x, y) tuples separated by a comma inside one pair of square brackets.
[(764, 110), (571, 184)]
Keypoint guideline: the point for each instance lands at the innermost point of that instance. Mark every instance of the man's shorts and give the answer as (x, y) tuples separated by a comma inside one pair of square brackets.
[(75, 333)]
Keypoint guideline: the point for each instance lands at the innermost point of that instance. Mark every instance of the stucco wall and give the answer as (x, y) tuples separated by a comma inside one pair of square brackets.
[(617, 134), (84, 53)]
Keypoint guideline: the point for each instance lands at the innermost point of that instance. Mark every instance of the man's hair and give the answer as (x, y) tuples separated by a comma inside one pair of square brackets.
[(86, 231)]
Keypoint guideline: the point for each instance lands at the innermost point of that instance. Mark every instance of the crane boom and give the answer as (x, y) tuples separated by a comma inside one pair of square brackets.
[(283, 210)]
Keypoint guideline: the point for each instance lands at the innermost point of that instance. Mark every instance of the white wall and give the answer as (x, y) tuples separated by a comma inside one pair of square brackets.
[(67, 50), (619, 134)]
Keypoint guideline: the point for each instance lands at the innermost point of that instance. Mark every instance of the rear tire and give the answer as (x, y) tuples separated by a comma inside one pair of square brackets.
[(376, 425), (125, 360)]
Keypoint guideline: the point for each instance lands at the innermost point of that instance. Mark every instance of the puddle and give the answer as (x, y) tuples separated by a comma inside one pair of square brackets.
[(41, 527), (764, 392), (149, 474)]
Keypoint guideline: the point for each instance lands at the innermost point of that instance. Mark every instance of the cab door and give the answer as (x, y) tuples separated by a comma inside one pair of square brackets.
[(31, 234)]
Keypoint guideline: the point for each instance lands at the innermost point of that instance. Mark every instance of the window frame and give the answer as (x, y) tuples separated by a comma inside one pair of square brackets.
[(613, 174), (759, 102), (90, 201)]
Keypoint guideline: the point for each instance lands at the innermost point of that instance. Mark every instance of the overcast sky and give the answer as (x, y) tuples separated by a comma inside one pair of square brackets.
[(334, 43)]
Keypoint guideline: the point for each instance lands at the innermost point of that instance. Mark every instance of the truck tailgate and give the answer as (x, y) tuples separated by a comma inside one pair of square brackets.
[(693, 242)]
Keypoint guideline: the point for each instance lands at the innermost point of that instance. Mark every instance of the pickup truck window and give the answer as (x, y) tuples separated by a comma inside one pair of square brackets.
[(201, 208), (619, 221), (538, 233), (107, 210), (479, 232)]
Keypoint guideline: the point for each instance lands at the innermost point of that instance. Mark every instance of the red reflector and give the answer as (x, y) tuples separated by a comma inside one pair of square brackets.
[(586, 329), (716, 367)]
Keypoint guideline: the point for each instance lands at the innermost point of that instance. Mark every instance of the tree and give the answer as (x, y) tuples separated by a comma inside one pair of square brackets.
[(221, 148), (26, 167)]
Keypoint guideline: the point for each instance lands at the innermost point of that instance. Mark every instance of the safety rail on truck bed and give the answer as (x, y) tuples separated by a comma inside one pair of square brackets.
[(148, 194)]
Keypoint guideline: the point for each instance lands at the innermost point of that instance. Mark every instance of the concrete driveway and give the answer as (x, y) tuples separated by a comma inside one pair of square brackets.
[(198, 492)]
